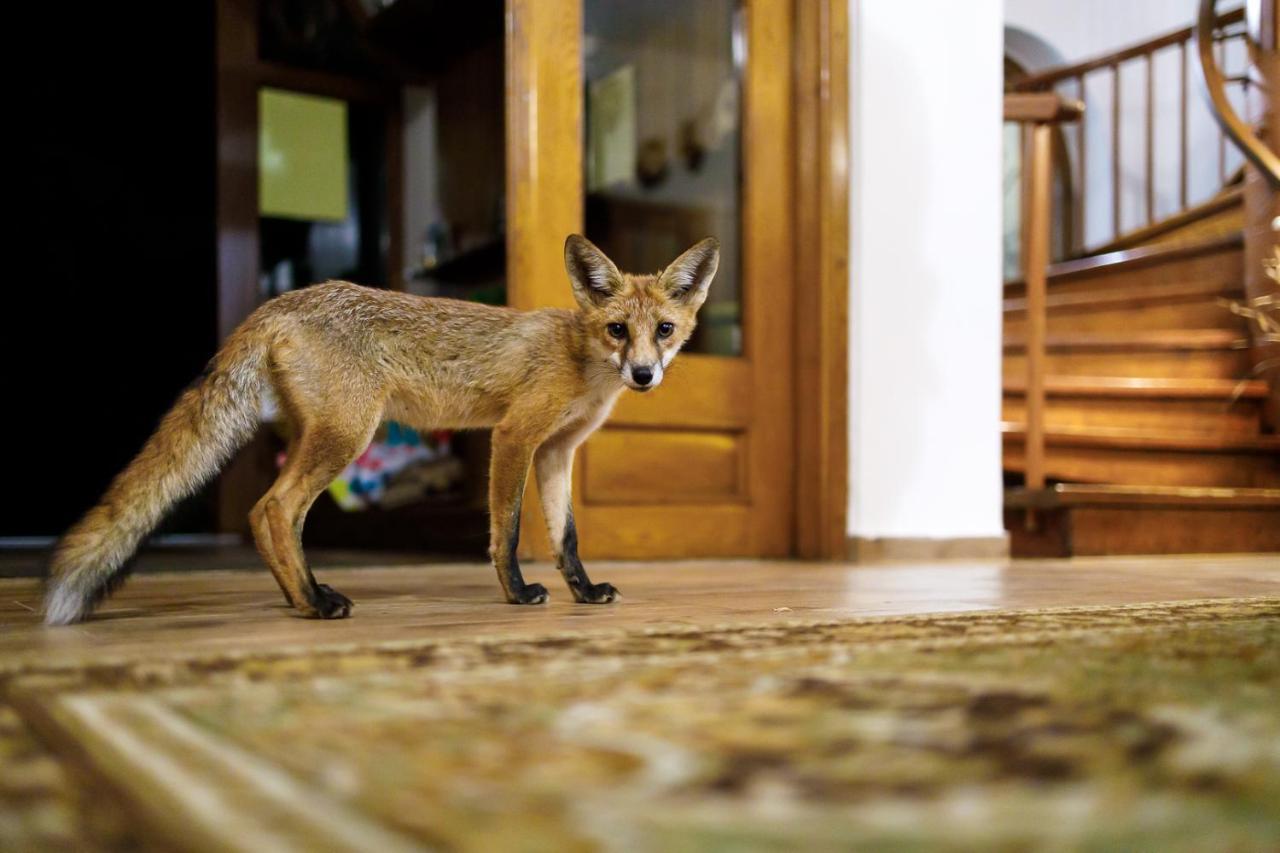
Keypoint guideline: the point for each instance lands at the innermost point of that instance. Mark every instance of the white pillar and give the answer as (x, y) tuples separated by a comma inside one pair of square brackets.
[(925, 277)]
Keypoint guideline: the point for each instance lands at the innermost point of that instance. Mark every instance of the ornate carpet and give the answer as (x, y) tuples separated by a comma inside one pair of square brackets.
[(1132, 727)]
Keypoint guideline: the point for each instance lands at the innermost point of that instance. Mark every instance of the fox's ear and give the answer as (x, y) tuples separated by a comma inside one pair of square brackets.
[(689, 276), (594, 277)]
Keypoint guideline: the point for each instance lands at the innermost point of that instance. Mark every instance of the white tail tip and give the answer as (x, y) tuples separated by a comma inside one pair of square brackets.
[(64, 606)]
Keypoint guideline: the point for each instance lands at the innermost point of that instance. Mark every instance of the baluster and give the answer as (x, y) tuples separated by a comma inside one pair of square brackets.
[(1115, 150), (1182, 129), (1151, 151), (1082, 178), (1221, 51)]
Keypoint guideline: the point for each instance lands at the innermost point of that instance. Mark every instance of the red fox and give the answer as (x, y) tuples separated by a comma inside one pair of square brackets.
[(340, 358)]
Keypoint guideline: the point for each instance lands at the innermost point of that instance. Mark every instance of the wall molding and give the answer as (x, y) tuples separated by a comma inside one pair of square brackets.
[(864, 549)]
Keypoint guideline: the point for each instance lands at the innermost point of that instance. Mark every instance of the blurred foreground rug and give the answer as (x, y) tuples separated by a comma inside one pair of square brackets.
[(1132, 727)]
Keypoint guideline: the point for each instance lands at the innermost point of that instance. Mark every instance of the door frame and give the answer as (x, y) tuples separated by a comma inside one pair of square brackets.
[(822, 390), (545, 198)]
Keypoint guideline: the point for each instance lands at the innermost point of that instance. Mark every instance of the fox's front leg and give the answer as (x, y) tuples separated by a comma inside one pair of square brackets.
[(554, 463), (508, 470)]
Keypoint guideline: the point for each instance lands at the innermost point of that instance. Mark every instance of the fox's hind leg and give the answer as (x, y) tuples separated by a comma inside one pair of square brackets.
[(315, 459)]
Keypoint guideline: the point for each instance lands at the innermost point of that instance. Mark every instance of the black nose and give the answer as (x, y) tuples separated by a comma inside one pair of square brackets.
[(642, 375)]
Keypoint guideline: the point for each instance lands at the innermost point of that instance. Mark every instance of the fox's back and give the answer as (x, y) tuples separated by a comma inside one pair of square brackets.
[(438, 362)]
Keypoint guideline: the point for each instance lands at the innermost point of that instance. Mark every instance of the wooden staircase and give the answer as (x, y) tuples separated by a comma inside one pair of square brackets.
[(1154, 434), (1142, 375)]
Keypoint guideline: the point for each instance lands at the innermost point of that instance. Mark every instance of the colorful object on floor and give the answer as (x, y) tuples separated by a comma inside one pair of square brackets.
[(400, 460), (1149, 727)]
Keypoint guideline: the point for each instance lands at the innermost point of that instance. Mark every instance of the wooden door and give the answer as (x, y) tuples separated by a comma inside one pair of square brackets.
[(702, 466)]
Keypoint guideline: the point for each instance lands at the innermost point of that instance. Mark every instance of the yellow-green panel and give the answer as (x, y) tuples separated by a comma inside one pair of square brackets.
[(302, 156)]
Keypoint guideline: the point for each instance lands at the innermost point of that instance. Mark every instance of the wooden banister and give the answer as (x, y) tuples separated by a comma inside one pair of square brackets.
[(1037, 113), (1140, 124), (1041, 106), (1052, 76), (1215, 81)]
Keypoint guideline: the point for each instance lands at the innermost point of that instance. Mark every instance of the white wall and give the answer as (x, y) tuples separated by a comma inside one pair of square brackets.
[(924, 343)]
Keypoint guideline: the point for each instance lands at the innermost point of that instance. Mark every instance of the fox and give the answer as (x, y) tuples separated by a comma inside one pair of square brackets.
[(338, 359)]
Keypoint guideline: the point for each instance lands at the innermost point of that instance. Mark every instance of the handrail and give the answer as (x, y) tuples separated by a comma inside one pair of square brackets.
[(1049, 76), (1131, 177), (1266, 160), (1041, 106), (1041, 111)]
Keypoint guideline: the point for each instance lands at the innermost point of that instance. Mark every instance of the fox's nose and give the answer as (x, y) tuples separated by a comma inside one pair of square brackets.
[(642, 375)]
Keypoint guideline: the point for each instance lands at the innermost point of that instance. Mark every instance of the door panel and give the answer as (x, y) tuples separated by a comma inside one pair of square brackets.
[(636, 467), (702, 466)]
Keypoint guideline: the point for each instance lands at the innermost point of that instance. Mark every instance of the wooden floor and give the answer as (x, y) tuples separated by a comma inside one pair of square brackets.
[(199, 613)]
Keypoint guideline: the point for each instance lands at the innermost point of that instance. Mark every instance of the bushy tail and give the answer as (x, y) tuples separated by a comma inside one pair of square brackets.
[(210, 421)]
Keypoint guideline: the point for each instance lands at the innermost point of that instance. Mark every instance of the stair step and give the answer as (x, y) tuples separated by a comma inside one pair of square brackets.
[(1150, 307), (1087, 520), (1133, 456), (1131, 296), (1087, 494), (1187, 353), (1210, 406), (1216, 259), (1140, 439), (1150, 364), (1172, 388), (1221, 354), (1137, 340)]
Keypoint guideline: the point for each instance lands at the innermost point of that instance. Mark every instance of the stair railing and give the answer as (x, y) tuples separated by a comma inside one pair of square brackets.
[(1208, 32), (1261, 194), (1037, 114), (1070, 80)]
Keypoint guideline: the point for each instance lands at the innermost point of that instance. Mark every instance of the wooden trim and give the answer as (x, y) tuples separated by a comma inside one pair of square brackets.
[(768, 256), (544, 158), (236, 56), (865, 549), (236, 217), (822, 277)]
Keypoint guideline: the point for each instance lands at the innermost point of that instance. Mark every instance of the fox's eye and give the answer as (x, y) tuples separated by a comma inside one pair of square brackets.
[(617, 330), (665, 330)]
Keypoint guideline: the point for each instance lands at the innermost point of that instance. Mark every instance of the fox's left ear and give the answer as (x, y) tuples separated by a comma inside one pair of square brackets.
[(689, 276)]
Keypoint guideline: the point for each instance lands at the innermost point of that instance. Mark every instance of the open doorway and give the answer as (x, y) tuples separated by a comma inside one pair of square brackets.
[(379, 159)]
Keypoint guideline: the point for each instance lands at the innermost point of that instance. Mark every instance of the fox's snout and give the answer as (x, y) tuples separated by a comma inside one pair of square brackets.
[(642, 377)]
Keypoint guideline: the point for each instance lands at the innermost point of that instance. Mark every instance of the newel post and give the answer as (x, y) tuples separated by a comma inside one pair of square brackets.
[(1037, 113)]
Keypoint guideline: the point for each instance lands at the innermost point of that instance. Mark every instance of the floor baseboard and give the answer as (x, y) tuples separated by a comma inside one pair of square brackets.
[(866, 549)]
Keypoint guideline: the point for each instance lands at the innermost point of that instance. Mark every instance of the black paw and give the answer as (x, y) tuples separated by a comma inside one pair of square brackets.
[(598, 593), (530, 593), (329, 603)]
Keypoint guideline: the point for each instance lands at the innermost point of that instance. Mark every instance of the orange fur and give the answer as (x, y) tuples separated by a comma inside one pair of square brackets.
[(340, 358)]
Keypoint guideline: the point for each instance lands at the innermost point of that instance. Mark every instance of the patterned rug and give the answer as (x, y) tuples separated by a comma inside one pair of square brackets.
[(1132, 727)]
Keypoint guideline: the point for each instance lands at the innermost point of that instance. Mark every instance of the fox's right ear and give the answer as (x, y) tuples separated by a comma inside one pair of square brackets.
[(594, 277)]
